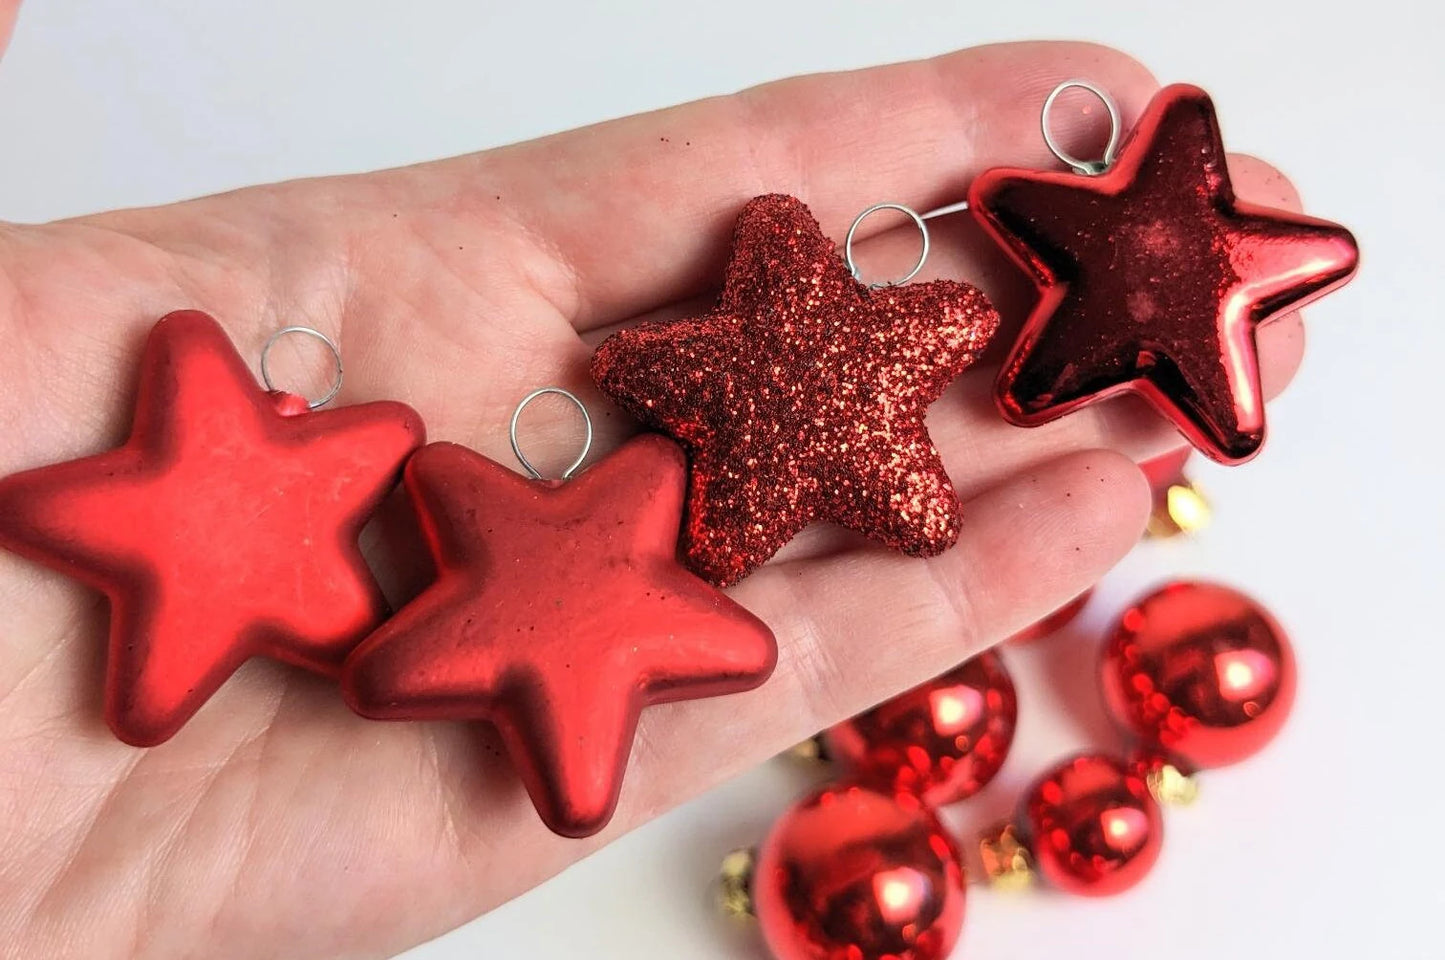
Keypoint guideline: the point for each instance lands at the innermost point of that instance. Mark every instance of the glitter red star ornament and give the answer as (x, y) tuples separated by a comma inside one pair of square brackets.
[(801, 396), (1152, 278), (559, 611), (225, 527)]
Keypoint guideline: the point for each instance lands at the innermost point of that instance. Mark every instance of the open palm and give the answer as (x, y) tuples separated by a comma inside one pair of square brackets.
[(277, 822)]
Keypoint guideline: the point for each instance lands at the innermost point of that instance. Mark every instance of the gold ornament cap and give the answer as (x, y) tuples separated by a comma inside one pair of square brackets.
[(1007, 863), (735, 883), (812, 750), (1171, 786), (1180, 508)]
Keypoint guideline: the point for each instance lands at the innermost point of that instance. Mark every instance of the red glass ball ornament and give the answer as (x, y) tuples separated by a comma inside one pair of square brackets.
[(1055, 621), (943, 740), (1092, 825), (1202, 671), (853, 873)]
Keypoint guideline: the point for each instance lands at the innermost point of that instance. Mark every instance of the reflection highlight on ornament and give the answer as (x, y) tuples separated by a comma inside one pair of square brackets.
[(901, 894), (1244, 675), (955, 709), (1125, 828)]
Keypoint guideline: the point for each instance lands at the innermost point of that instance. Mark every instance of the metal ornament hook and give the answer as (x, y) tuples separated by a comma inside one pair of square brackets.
[(922, 253), (532, 471), (1116, 129), (959, 207), (310, 332)]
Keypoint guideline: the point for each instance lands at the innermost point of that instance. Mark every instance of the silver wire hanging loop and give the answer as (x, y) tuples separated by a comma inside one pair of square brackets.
[(532, 471), (310, 332), (922, 253), (1116, 129), (959, 207)]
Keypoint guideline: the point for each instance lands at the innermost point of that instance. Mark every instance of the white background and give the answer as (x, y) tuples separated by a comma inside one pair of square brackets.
[(1330, 844)]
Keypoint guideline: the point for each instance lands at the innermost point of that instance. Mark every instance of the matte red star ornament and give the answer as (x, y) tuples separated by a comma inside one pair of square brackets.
[(225, 527), (1152, 278), (559, 611), (801, 396)]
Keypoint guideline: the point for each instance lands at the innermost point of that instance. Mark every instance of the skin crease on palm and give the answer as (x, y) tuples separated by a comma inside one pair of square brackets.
[(276, 823)]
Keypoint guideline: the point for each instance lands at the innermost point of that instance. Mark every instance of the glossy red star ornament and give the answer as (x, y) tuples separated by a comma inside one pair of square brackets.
[(225, 527), (1153, 277), (559, 611), (801, 396)]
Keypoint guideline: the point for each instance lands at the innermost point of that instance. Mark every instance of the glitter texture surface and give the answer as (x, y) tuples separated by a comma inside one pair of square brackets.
[(801, 396), (1152, 277)]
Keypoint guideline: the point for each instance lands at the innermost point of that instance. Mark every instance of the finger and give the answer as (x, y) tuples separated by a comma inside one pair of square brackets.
[(870, 623), (855, 630), (638, 212), (1282, 340), (9, 10)]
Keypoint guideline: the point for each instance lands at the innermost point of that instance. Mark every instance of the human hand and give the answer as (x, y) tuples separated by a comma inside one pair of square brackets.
[(278, 823)]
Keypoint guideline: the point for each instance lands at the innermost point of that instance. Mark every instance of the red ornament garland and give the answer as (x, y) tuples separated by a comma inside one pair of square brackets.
[(224, 528), (801, 396)]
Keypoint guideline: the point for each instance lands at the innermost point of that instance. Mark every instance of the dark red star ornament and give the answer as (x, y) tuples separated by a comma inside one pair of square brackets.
[(1153, 277), (801, 396), (559, 611), (225, 527)]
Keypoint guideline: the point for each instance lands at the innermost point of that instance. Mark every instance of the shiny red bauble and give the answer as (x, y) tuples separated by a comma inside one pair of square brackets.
[(943, 740), (1201, 671), (853, 873), (1092, 825), (1055, 621)]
